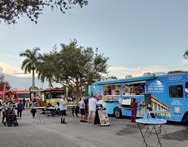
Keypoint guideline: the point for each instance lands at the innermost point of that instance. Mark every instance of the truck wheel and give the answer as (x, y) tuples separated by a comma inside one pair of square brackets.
[(117, 112), (186, 120)]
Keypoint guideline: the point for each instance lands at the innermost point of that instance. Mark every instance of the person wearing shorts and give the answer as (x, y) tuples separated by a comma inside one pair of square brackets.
[(63, 108), (82, 110), (92, 109)]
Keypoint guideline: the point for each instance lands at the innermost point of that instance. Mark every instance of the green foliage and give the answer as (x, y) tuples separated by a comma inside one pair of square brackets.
[(185, 55), (30, 63), (81, 64), (10, 10), (110, 77), (46, 67), (73, 66), (175, 71)]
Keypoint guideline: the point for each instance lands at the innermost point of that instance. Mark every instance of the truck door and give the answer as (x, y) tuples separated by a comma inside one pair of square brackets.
[(186, 97), (176, 101)]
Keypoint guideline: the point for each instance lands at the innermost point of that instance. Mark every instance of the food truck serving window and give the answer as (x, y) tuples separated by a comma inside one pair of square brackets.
[(126, 102), (176, 91)]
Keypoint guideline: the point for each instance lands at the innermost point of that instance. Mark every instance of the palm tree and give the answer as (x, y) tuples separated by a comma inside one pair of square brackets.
[(46, 67), (30, 63), (185, 55)]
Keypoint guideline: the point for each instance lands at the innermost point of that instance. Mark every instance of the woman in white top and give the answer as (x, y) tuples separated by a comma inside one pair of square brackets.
[(5, 107), (63, 108), (92, 108), (82, 110)]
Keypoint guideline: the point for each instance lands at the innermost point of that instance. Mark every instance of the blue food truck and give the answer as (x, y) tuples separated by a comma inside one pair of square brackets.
[(167, 92)]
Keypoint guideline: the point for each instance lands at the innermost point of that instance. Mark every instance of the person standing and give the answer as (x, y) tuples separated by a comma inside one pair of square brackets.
[(73, 110), (150, 109), (92, 108), (57, 108), (23, 101), (20, 108), (63, 108), (6, 106), (82, 110), (86, 101), (77, 109), (1, 106), (134, 105), (33, 109)]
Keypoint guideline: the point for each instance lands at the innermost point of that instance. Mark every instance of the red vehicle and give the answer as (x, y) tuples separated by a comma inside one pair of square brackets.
[(15, 95), (6, 94), (20, 94)]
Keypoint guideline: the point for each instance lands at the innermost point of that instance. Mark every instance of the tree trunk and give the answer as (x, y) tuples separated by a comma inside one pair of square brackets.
[(77, 93), (50, 83), (33, 79)]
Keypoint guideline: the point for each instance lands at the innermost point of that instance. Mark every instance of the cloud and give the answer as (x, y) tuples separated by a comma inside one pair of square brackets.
[(12, 70), (1, 70), (121, 72), (16, 77)]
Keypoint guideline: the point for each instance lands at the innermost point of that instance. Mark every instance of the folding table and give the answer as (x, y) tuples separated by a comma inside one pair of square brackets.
[(151, 122)]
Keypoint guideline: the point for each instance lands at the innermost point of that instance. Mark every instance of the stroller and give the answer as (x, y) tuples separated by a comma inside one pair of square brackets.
[(11, 118)]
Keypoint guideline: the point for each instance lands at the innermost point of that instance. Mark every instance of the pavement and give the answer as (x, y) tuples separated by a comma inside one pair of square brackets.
[(121, 133)]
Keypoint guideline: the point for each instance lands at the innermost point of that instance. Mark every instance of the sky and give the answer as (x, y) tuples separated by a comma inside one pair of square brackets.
[(137, 36)]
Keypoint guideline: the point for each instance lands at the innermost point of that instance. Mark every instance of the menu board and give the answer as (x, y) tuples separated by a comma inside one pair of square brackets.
[(110, 98), (103, 118)]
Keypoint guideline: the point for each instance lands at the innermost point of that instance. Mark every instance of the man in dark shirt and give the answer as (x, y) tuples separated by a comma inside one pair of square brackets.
[(20, 107), (86, 101), (24, 101)]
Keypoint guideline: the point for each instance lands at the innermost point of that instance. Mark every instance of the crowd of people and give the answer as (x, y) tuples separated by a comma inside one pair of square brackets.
[(86, 107), (7, 104)]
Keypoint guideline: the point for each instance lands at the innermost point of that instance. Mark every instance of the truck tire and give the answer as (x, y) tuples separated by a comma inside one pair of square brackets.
[(117, 113), (186, 120)]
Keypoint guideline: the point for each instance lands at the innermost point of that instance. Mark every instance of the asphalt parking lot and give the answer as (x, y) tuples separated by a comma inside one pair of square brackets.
[(120, 133)]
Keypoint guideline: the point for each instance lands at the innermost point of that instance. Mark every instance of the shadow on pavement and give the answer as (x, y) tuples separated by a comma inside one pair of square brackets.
[(180, 135)]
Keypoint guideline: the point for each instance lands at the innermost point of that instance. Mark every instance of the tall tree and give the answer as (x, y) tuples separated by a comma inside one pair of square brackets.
[(29, 64), (80, 66), (46, 67), (176, 71), (75, 67), (109, 78), (10, 10)]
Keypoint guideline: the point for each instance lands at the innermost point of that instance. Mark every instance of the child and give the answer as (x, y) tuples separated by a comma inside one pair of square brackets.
[(15, 110)]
